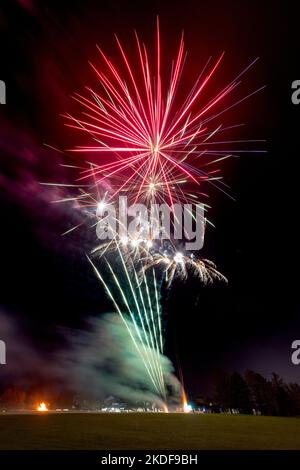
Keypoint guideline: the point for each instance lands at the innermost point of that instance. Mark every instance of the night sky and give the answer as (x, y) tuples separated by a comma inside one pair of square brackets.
[(46, 282)]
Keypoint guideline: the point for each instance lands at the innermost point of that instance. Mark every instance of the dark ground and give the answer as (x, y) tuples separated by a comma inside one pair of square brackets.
[(148, 431)]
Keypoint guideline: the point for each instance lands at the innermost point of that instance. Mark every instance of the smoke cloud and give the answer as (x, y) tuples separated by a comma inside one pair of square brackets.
[(95, 363), (105, 361)]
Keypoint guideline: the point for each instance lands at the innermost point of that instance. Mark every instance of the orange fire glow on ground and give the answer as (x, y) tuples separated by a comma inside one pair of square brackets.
[(42, 407)]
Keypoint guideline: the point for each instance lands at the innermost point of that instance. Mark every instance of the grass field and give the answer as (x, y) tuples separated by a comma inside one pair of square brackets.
[(147, 431)]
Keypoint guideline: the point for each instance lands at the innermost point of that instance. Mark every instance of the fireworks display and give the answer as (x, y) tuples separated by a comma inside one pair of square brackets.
[(153, 144)]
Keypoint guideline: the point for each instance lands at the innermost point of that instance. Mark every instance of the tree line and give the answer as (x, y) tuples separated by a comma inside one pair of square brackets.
[(254, 394)]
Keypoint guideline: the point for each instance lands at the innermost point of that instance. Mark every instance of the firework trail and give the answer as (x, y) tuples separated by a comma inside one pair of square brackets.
[(140, 311)]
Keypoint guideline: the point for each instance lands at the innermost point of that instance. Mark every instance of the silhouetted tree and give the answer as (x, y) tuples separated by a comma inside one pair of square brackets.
[(239, 393), (281, 400), (260, 392), (293, 389), (222, 389)]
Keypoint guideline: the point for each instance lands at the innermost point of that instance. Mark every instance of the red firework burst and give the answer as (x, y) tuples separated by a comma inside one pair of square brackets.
[(147, 140)]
